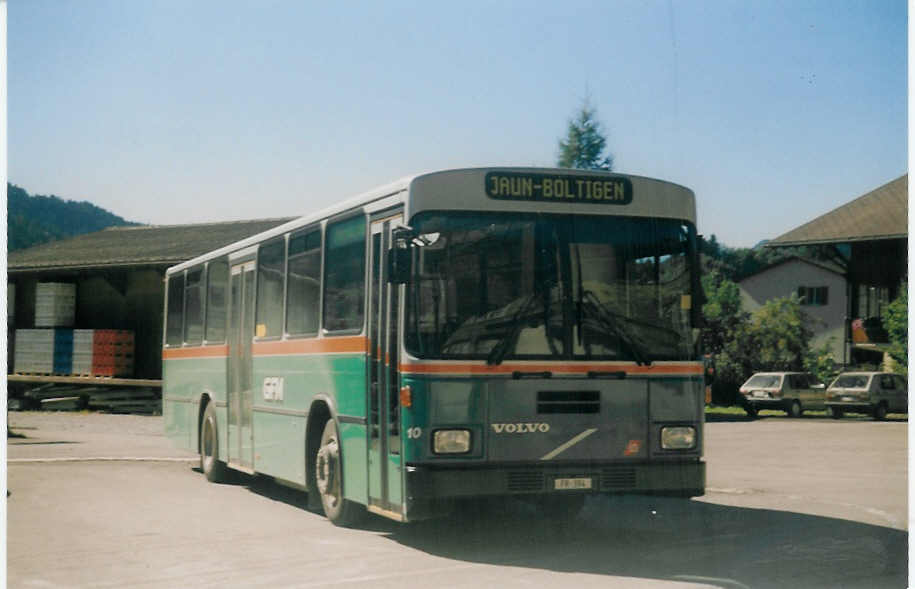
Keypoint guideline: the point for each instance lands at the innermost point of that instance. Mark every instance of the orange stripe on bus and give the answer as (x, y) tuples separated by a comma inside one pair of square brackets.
[(684, 369), (196, 352), (327, 345)]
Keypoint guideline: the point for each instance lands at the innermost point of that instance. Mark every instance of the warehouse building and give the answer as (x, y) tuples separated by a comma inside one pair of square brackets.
[(868, 239), (118, 275)]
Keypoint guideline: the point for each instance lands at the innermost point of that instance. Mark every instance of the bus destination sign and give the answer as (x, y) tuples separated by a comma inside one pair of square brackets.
[(608, 190)]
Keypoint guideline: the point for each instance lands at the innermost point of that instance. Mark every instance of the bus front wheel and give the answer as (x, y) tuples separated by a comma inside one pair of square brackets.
[(329, 479), (213, 468)]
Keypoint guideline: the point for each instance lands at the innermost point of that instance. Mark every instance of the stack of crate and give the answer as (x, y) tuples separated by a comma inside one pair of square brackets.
[(112, 352), (55, 304), (82, 351), (34, 351)]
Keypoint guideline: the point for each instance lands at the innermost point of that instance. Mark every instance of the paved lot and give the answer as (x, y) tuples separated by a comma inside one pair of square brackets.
[(792, 503)]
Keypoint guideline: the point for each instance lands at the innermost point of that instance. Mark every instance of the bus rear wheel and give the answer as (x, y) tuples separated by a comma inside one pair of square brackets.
[(329, 479), (213, 468)]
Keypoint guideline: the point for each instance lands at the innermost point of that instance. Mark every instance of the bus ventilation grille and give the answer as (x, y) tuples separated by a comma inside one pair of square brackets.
[(525, 481), (568, 402), (617, 478)]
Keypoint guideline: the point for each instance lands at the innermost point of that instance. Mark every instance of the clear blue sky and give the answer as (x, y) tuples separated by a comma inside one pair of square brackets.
[(185, 111)]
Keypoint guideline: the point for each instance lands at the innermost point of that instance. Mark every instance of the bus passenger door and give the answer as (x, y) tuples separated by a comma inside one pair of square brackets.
[(383, 411), (241, 331)]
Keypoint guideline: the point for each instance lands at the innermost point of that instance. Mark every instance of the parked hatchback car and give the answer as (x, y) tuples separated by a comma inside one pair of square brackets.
[(874, 393), (791, 392)]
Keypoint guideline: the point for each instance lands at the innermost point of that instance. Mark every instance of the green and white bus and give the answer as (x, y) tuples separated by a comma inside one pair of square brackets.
[(454, 335)]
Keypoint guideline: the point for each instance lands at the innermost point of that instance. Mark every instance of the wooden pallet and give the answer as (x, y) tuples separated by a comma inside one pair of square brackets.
[(70, 397)]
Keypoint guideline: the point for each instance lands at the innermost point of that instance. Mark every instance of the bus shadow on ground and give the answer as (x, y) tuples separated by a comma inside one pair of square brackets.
[(657, 538), (673, 540)]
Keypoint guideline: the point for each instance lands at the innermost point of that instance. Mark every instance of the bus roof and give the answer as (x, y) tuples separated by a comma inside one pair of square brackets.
[(524, 190)]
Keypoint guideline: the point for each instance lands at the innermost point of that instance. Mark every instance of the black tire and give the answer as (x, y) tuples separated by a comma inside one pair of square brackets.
[(213, 468), (752, 412), (329, 479), (879, 411), (794, 409), (835, 412)]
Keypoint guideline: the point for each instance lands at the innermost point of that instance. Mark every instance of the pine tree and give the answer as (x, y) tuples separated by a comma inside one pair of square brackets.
[(585, 142)]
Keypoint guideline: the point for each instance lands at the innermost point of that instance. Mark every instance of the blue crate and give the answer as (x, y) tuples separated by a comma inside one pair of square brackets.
[(63, 351)]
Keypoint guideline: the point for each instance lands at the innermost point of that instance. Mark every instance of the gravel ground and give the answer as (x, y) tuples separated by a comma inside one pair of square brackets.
[(85, 421), (42, 435)]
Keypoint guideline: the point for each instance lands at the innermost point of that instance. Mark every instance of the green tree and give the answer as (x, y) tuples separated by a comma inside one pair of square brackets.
[(724, 326), (820, 363), (584, 144), (779, 335), (776, 337), (36, 219), (722, 312), (896, 323)]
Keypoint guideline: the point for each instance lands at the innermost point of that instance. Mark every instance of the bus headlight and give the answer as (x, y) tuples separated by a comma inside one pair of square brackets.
[(678, 437), (451, 441)]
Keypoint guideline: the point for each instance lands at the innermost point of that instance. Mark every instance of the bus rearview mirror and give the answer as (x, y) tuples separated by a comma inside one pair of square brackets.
[(400, 256)]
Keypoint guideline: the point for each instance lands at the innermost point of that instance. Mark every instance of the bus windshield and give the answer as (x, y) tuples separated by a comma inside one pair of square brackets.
[(499, 286)]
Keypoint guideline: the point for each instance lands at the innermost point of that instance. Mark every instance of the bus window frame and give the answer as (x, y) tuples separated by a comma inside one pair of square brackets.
[(342, 218), (206, 316), (201, 286), (168, 314), (304, 231), (257, 278)]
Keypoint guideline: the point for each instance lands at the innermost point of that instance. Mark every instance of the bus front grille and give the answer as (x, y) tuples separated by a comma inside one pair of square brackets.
[(525, 481), (617, 478), (576, 402)]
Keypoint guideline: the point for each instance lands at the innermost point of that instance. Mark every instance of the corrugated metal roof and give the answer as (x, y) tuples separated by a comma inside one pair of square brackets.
[(153, 245), (880, 214)]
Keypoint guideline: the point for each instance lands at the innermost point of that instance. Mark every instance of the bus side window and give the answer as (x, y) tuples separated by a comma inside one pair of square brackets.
[(271, 263), (344, 275), (193, 306), (174, 325), (217, 297), (303, 283)]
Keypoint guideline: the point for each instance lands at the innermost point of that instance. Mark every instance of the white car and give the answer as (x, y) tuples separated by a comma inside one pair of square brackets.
[(874, 393), (791, 392)]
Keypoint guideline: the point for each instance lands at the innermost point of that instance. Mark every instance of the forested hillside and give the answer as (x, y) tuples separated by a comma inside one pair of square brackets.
[(32, 220)]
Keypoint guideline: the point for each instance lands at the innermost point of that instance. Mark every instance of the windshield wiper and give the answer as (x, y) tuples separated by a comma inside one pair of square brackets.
[(517, 322), (608, 319)]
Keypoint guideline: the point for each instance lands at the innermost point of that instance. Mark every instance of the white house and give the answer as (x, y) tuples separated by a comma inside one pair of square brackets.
[(822, 289)]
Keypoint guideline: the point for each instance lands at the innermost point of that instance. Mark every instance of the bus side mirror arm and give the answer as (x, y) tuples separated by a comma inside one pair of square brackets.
[(400, 256)]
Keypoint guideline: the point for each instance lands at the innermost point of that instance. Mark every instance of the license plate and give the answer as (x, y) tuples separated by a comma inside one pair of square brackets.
[(760, 394), (847, 399), (567, 484)]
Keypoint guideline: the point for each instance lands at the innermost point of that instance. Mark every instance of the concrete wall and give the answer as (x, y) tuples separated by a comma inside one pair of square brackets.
[(784, 279)]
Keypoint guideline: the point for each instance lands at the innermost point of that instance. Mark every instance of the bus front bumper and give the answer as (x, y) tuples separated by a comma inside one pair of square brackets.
[(680, 479)]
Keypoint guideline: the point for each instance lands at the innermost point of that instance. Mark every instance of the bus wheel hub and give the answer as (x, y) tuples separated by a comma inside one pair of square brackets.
[(326, 467)]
